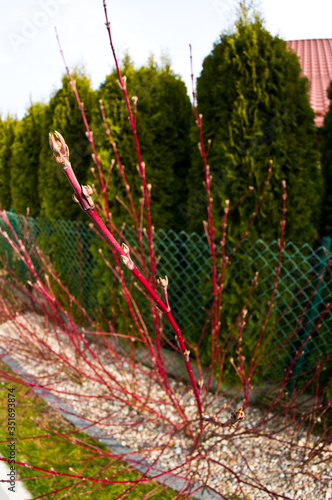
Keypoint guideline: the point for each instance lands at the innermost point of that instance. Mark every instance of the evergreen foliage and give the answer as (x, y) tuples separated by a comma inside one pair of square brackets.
[(326, 229), (7, 135), (62, 114), (163, 122), (26, 148), (255, 107)]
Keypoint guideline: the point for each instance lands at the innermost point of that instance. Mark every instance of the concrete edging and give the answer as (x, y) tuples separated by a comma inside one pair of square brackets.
[(170, 480)]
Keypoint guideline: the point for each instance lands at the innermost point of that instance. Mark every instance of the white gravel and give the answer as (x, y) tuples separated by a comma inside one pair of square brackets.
[(270, 457)]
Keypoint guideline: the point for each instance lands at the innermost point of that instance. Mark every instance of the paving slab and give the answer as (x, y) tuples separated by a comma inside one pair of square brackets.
[(20, 492), (168, 479)]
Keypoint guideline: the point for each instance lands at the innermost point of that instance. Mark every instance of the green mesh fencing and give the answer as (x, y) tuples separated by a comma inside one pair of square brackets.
[(72, 248)]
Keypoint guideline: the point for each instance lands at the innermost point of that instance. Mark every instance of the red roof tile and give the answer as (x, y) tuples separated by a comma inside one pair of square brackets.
[(316, 63)]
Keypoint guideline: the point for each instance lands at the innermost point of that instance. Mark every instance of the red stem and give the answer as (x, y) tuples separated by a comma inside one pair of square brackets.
[(210, 230)]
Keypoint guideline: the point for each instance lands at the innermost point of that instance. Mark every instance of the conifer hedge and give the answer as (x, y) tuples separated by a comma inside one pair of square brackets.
[(326, 228), (255, 107), (164, 118), (7, 136)]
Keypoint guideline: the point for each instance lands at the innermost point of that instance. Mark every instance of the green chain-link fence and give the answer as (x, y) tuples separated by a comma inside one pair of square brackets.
[(185, 258)]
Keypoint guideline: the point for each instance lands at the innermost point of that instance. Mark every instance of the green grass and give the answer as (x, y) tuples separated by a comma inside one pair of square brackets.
[(57, 452)]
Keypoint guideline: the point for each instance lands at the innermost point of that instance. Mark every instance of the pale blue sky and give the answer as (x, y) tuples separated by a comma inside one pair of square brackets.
[(31, 66)]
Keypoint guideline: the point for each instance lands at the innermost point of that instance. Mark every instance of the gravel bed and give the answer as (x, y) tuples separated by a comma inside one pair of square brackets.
[(269, 456)]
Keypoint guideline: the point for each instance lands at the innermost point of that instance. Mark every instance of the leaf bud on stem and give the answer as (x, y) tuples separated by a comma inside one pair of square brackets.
[(186, 355), (126, 258)]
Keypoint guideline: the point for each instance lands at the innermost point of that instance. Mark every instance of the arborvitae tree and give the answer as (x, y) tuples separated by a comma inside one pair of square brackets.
[(25, 161), (326, 225), (255, 107), (62, 114), (163, 124), (7, 135)]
